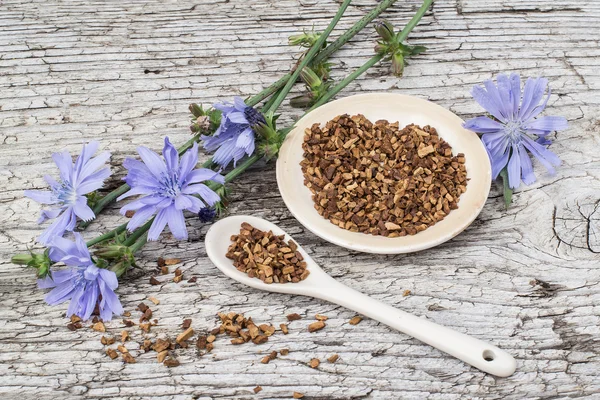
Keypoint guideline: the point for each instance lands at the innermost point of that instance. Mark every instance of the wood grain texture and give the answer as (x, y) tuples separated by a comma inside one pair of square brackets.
[(124, 73)]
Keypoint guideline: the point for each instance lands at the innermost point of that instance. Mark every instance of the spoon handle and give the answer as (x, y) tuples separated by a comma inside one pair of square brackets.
[(475, 352)]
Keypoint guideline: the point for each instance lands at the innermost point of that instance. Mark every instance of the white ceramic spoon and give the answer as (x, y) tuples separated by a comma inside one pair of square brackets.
[(479, 354)]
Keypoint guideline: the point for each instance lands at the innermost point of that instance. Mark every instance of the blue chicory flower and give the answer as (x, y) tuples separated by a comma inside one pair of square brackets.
[(83, 282), (235, 136), (68, 195), (506, 137), (167, 188)]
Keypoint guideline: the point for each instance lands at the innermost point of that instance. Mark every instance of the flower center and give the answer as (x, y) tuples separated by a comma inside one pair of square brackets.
[(513, 131), (254, 117), (170, 185), (66, 193)]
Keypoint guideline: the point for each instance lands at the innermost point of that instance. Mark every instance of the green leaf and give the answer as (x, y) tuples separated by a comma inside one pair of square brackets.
[(417, 50), (93, 198), (507, 191), (411, 50)]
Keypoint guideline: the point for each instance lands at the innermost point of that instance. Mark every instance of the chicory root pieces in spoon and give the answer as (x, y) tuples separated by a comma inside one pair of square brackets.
[(266, 256)]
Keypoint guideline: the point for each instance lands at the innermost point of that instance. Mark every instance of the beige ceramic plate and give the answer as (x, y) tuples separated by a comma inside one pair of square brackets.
[(406, 110)]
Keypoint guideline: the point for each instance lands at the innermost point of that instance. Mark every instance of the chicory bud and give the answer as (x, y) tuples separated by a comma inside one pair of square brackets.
[(398, 63), (385, 30), (311, 79), (196, 110), (302, 101)]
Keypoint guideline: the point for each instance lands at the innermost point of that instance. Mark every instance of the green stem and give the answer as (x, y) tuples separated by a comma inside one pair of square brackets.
[(107, 236), (376, 58), (139, 243), (343, 83), (269, 103), (326, 52), (414, 20), (138, 233), (241, 168), (308, 57)]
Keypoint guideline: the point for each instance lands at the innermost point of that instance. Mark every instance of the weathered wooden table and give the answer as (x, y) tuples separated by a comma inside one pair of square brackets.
[(124, 73)]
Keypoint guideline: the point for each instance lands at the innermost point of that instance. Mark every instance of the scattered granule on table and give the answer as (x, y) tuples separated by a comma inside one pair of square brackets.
[(316, 326), (293, 317), (185, 335), (171, 362), (161, 345), (128, 323), (154, 300), (333, 358), (284, 352), (146, 315), (355, 320), (124, 336), (186, 323), (146, 345), (128, 358), (268, 330), (112, 353), (320, 317), (314, 363), (99, 327), (154, 281), (172, 261), (160, 357), (260, 339), (298, 395), (73, 326), (284, 328), (265, 360), (266, 256), (107, 341), (406, 293), (257, 389), (379, 179), (201, 342)]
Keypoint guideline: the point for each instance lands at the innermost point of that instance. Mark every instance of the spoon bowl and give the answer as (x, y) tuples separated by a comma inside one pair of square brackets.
[(319, 284)]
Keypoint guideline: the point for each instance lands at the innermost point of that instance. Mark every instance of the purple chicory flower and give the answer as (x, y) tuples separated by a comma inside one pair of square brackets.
[(506, 136), (68, 195), (235, 136), (82, 282), (167, 188)]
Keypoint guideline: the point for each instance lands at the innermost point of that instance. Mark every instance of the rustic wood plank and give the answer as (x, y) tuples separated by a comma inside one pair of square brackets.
[(525, 279)]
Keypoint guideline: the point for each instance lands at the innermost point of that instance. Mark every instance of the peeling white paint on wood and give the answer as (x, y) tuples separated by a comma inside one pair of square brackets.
[(525, 279)]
